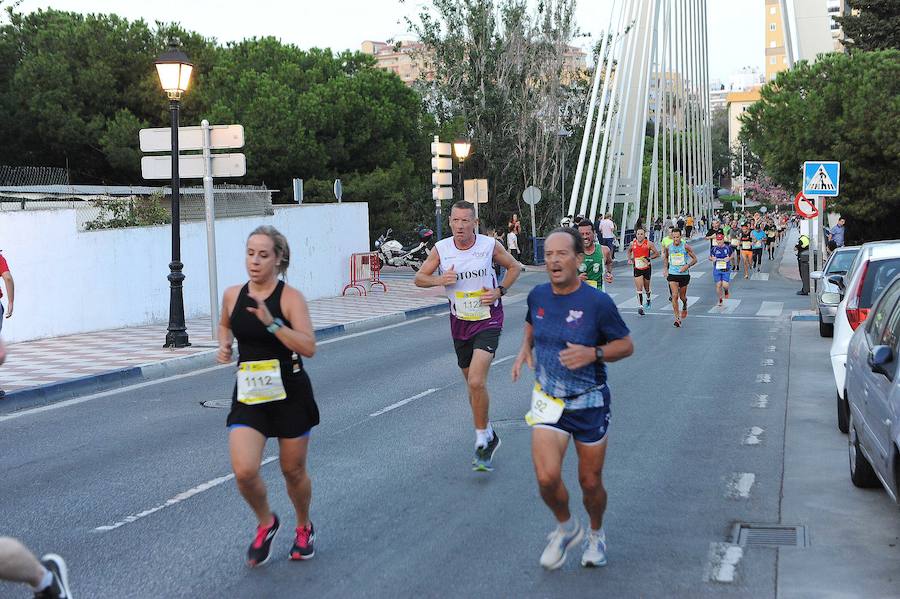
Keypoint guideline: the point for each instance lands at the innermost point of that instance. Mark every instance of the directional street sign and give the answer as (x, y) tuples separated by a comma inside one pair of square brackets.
[(821, 178), (222, 137), (190, 166), (805, 207)]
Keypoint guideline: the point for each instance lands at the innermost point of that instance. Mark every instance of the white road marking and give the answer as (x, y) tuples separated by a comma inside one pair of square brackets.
[(102, 394), (763, 378), (770, 309), (759, 276), (401, 403), (761, 401), (176, 500), (739, 485), (502, 360), (728, 307), (723, 561), (767, 362), (375, 330), (697, 274), (752, 436), (770, 349)]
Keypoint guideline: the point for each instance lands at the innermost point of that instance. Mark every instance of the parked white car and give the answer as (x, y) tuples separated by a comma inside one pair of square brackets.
[(875, 265)]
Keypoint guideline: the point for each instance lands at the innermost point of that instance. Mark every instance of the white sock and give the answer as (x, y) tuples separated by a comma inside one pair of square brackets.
[(45, 581), (490, 431), (600, 533), (568, 526), (481, 437)]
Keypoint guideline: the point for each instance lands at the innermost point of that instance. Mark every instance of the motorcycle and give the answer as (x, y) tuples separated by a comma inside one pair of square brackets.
[(393, 253)]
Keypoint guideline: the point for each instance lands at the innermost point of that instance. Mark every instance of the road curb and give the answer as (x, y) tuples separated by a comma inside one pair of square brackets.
[(113, 379)]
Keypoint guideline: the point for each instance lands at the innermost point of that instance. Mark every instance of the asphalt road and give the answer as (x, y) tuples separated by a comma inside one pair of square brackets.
[(132, 486)]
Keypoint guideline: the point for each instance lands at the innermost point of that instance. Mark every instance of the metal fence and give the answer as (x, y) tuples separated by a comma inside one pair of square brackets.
[(33, 175), (93, 204)]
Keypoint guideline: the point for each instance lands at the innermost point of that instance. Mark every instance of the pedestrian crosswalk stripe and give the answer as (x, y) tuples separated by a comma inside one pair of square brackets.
[(770, 309), (660, 303), (760, 276), (697, 274), (728, 307)]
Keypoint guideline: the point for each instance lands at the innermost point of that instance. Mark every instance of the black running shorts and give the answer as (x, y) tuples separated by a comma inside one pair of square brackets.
[(486, 340)]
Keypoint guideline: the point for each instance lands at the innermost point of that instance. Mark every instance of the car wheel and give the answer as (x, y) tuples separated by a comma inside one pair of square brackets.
[(825, 329), (861, 472), (843, 412)]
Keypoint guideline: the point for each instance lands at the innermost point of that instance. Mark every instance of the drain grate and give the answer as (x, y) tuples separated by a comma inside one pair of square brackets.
[(769, 535), (216, 403)]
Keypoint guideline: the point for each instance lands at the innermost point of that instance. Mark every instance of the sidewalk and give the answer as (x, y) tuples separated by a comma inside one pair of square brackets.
[(86, 362), (854, 533)]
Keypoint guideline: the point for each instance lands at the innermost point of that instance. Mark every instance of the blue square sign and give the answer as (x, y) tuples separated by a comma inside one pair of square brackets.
[(821, 178)]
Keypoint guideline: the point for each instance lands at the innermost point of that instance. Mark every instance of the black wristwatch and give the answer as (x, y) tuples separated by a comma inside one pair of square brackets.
[(599, 351), (502, 290)]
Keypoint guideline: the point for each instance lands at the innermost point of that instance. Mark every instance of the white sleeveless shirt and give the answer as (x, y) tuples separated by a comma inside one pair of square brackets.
[(474, 271)]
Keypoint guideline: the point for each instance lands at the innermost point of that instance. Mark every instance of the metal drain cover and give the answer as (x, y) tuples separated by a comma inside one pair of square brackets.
[(769, 535), (216, 403)]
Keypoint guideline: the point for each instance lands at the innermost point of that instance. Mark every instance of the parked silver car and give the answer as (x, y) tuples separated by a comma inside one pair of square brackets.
[(829, 294), (873, 390)]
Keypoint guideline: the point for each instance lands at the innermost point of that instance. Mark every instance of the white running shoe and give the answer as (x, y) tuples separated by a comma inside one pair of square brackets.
[(561, 541), (595, 552)]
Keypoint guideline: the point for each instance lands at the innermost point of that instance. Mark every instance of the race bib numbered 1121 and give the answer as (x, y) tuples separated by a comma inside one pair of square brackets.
[(468, 306), (545, 409), (260, 382)]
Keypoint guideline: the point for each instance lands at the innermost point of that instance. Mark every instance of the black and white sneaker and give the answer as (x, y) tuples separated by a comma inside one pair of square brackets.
[(59, 586), (260, 549), (484, 456)]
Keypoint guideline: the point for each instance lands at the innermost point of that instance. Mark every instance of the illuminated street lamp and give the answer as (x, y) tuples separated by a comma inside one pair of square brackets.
[(174, 70)]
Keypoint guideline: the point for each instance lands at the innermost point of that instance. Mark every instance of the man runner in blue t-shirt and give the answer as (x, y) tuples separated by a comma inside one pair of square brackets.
[(571, 331), (721, 255)]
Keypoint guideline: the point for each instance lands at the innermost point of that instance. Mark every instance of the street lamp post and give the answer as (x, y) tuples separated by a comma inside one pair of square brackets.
[(564, 138), (174, 70), (462, 147)]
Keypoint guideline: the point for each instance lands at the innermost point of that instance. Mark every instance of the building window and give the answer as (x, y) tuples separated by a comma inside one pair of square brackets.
[(771, 26), (772, 10), (772, 60)]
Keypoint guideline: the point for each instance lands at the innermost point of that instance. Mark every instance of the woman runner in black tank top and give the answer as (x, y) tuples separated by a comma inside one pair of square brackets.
[(272, 396)]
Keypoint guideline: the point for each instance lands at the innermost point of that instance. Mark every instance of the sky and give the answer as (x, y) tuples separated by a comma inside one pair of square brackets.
[(736, 27)]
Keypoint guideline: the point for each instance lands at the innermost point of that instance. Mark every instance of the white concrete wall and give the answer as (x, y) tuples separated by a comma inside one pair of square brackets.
[(70, 282)]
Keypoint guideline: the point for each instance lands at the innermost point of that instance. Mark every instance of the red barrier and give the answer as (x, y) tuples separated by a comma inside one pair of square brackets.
[(365, 267)]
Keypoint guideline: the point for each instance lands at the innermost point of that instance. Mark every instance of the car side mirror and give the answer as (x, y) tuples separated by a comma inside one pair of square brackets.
[(879, 357), (816, 275), (837, 280)]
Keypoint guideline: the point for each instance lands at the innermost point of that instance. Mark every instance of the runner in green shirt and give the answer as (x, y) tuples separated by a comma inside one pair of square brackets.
[(596, 269)]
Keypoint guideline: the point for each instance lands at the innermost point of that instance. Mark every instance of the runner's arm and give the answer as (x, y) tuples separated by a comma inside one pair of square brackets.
[(691, 254), (10, 292), (226, 337), (526, 354), (654, 253), (618, 349), (426, 277), (299, 337)]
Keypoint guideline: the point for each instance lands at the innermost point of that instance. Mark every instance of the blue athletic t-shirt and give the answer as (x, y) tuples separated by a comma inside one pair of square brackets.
[(720, 253), (587, 316), (758, 237)]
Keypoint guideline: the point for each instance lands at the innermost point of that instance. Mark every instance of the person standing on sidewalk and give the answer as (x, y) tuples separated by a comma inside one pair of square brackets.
[(476, 312), (571, 332), (512, 242), (606, 230), (802, 249), (6, 312), (273, 396), (836, 233)]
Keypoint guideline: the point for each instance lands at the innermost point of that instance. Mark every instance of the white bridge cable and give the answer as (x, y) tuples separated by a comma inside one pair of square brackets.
[(592, 106)]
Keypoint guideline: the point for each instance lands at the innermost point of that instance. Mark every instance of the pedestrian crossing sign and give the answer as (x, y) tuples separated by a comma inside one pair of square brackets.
[(821, 178)]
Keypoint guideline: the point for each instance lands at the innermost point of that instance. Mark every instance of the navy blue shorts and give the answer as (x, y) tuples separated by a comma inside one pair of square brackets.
[(589, 425)]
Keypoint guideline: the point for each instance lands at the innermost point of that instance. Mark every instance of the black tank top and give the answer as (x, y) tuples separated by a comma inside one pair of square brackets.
[(254, 341)]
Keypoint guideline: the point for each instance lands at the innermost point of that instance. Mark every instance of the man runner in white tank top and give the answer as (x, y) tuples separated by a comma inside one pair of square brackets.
[(476, 311)]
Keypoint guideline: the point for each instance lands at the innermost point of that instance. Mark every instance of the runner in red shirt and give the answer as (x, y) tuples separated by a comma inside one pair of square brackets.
[(11, 292), (640, 252)]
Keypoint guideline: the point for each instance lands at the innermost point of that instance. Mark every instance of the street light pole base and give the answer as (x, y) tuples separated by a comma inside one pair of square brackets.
[(177, 334)]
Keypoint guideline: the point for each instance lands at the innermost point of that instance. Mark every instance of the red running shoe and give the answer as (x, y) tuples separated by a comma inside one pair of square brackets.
[(303, 545), (260, 549)]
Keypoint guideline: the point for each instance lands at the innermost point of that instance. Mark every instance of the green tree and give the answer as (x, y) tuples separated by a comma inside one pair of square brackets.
[(872, 25), (845, 108), (497, 73)]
